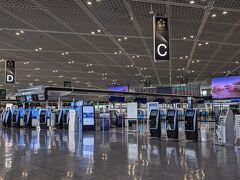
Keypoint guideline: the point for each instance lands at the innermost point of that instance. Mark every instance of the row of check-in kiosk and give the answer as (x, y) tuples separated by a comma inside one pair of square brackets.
[(172, 123), (42, 118)]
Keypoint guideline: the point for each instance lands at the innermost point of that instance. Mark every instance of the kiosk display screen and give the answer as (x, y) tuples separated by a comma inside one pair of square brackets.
[(170, 113), (153, 113), (88, 115), (224, 112), (190, 113)]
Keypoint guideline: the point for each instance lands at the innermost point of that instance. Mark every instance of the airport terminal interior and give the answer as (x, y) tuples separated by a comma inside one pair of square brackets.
[(120, 89)]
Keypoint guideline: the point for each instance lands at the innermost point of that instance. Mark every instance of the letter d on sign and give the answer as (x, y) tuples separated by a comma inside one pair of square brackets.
[(10, 78)]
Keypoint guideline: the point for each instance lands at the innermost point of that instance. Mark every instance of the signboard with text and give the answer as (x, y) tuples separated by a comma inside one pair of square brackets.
[(10, 71), (161, 38)]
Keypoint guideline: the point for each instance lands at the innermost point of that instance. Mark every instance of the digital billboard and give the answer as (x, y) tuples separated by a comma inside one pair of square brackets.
[(118, 88), (226, 87)]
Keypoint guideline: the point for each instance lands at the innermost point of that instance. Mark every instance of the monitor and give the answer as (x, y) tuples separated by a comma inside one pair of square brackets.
[(118, 88), (226, 87), (88, 115)]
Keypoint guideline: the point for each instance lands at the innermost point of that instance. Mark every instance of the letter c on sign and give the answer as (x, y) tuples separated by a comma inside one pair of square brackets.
[(159, 47)]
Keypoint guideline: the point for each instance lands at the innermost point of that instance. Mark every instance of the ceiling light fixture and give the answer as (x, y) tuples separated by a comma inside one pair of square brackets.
[(92, 32), (214, 15), (224, 12), (17, 33), (192, 2), (199, 44), (125, 38), (184, 38), (89, 2), (192, 36), (99, 31), (206, 43), (119, 39), (22, 32)]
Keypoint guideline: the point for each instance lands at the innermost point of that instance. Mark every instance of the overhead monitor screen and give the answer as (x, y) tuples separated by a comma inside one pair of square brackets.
[(118, 88), (226, 87), (88, 115)]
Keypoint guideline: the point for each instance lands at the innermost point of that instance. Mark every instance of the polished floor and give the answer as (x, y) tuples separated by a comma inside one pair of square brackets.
[(111, 156)]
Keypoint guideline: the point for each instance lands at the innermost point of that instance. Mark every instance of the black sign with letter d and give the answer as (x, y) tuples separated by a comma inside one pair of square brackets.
[(10, 71), (161, 38)]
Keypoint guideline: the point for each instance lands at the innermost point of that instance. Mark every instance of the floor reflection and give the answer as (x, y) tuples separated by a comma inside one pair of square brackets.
[(32, 154)]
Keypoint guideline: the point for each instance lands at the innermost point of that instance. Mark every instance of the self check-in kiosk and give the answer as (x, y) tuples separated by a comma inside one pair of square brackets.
[(59, 119), (191, 124), (65, 119), (28, 119), (7, 118), (16, 118), (225, 127), (155, 123), (172, 124), (44, 119)]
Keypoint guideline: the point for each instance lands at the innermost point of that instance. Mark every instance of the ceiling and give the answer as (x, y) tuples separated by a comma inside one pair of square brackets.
[(110, 41)]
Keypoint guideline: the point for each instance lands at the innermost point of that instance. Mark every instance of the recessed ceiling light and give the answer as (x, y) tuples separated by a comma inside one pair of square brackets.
[(50, 81), (89, 2), (192, 2), (183, 68), (133, 57), (120, 52), (125, 38), (115, 52), (36, 49), (99, 31), (63, 54), (192, 36), (119, 39), (22, 32), (184, 38), (181, 57), (186, 56), (40, 49), (179, 69), (17, 33), (138, 56), (206, 43), (193, 61), (224, 12), (198, 61), (66, 52), (92, 32), (237, 62), (199, 44), (214, 15)]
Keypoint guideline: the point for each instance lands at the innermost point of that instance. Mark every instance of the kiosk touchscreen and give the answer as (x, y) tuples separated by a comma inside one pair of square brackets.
[(191, 125), (155, 123), (16, 119), (172, 124), (59, 119), (88, 118), (28, 119), (65, 119)]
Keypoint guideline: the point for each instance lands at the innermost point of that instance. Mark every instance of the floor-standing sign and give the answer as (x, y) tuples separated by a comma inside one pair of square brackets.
[(9, 71), (161, 38)]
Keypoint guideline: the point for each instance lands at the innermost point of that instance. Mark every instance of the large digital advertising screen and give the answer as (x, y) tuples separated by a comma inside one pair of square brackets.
[(88, 115), (118, 88), (226, 87)]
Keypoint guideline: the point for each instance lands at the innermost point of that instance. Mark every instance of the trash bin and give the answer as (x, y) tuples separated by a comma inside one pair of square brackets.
[(204, 131)]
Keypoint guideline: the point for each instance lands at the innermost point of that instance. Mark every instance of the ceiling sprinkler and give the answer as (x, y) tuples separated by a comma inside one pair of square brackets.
[(151, 11)]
